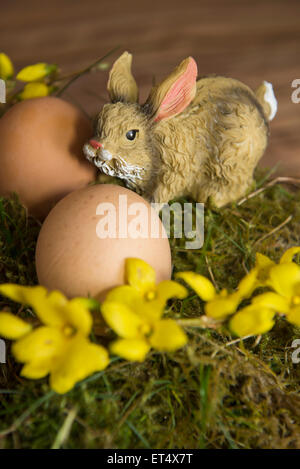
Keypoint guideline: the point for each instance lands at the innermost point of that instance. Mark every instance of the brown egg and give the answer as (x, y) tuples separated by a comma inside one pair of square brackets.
[(41, 155), (82, 246)]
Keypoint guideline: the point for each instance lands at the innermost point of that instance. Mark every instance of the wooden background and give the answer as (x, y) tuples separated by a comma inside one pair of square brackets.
[(251, 40)]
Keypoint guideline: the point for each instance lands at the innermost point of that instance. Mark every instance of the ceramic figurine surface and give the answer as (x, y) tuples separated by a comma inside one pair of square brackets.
[(200, 138)]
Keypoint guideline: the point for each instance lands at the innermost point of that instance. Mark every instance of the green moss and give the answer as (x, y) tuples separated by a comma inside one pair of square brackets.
[(208, 395), (18, 235)]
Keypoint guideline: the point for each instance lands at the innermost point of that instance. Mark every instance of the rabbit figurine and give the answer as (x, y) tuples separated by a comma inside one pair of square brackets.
[(200, 138)]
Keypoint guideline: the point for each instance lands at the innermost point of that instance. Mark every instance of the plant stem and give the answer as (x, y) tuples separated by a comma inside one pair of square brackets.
[(85, 70), (202, 321)]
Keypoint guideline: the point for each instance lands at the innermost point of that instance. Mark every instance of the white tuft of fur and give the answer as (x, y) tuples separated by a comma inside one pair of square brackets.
[(104, 167), (105, 155), (89, 151), (269, 97)]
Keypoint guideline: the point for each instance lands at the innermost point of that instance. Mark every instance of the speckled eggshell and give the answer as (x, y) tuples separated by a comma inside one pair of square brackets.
[(72, 258), (41, 156)]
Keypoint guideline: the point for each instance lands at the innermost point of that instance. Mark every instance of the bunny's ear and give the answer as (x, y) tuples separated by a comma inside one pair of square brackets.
[(121, 85), (175, 93)]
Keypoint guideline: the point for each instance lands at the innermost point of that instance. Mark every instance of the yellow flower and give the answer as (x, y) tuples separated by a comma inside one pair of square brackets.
[(6, 67), (35, 90), (285, 280), (219, 305), (61, 347), (265, 264), (257, 277), (134, 312), (35, 72)]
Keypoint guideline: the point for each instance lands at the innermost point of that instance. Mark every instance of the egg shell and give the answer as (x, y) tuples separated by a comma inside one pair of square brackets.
[(72, 258), (41, 156)]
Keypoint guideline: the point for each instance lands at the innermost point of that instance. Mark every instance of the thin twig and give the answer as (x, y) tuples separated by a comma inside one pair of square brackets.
[(232, 342), (278, 180), (257, 341), (285, 222), (86, 70), (244, 267), (211, 273)]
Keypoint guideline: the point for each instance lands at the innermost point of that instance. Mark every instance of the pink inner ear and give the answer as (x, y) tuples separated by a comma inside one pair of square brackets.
[(180, 94)]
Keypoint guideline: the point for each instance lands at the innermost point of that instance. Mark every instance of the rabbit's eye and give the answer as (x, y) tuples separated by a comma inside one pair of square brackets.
[(131, 134)]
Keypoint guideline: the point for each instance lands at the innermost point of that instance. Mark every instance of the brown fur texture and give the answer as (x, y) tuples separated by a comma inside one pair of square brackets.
[(192, 138)]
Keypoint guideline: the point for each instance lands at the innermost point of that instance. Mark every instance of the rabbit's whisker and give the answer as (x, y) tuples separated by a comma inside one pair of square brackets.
[(128, 170), (117, 167)]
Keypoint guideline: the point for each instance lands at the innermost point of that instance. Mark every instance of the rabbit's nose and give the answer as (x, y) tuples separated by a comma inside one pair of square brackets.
[(95, 144)]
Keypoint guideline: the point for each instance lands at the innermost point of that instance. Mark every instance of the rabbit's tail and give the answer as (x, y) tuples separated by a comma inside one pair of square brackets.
[(266, 97)]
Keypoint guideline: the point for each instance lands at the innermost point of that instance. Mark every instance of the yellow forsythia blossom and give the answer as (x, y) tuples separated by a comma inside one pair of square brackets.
[(134, 312), (61, 346), (284, 279), (219, 305), (35, 72), (6, 67), (34, 90)]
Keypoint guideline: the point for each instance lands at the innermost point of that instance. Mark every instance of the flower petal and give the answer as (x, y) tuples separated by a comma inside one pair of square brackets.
[(263, 261), (126, 295), (165, 290), (272, 301), (35, 72), (12, 327), (20, 294), (252, 320), (47, 307), (51, 308), (293, 316), (167, 336), (289, 254), (263, 265), (81, 359), (248, 284), (168, 289), (42, 343), (37, 369), (139, 274), (131, 349), (222, 306), (34, 90), (202, 286), (121, 319), (78, 316), (6, 67), (283, 278)]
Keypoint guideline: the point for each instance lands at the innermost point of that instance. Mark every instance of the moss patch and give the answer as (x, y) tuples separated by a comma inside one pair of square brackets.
[(211, 394)]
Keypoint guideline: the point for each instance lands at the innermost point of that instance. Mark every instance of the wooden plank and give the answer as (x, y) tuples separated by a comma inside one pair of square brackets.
[(249, 40)]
